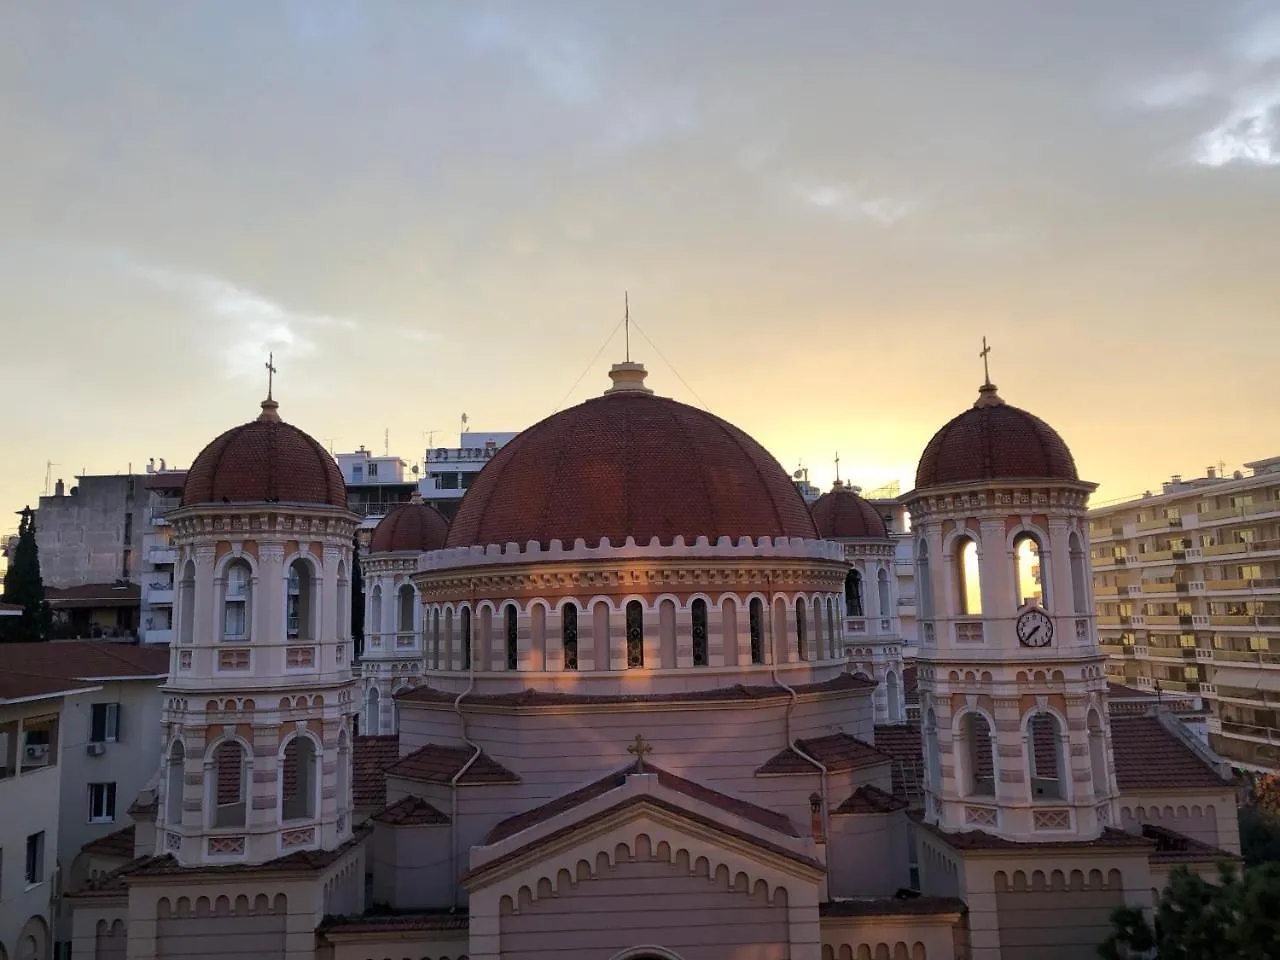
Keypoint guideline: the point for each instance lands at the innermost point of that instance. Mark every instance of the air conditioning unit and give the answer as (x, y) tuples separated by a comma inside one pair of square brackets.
[(95, 749), (38, 751)]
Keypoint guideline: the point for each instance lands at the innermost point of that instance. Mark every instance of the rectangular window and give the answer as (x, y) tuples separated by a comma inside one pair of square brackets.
[(102, 802), (40, 743), (373, 470), (357, 473), (105, 724), (35, 858)]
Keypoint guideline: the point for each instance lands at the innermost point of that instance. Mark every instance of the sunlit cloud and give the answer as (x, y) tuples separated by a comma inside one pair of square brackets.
[(1250, 134), (852, 202), (1177, 90)]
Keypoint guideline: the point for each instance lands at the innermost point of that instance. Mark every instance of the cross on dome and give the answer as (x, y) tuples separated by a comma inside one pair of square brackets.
[(269, 406), (639, 748)]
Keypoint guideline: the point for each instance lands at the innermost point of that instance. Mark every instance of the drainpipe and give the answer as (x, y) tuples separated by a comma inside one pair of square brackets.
[(462, 720), (795, 748)]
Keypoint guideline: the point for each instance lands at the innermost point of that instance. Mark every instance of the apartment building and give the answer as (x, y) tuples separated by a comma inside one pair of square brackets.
[(1187, 583)]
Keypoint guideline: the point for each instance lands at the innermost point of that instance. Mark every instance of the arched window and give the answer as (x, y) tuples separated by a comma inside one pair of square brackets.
[(235, 601), (465, 629), (833, 637), (298, 779), (802, 638), (228, 784), (635, 634), (924, 580), (853, 594), (933, 761), (435, 639), (979, 760), (698, 613), (569, 635), (448, 640), (968, 578), (405, 603), (756, 618), (187, 604), (1098, 755), (375, 613), (1045, 752), (342, 603), (372, 710), (344, 772), (819, 641), (300, 616), (892, 694), (1079, 574), (175, 785), (1028, 573), (513, 636), (882, 593)]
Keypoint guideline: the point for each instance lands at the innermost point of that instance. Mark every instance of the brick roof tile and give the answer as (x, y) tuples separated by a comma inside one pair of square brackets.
[(870, 799), (840, 513), (1150, 757), (411, 812), (437, 763), (409, 526), (836, 752), (371, 757)]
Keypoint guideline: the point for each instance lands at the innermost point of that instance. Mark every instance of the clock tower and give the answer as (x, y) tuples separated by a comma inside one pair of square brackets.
[(1012, 680)]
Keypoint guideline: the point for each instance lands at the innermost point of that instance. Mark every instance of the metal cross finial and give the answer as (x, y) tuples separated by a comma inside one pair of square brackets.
[(986, 371), (639, 748), (837, 467), (626, 320), (271, 372)]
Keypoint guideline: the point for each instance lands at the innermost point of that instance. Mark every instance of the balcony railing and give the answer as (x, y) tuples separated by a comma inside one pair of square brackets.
[(1251, 731)]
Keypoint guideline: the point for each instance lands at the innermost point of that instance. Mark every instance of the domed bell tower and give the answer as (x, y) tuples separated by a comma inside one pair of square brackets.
[(1011, 677)]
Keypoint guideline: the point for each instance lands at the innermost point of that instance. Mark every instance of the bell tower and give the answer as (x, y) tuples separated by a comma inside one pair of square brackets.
[(1012, 679)]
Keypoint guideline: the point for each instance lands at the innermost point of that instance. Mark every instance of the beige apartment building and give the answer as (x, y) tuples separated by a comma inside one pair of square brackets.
[(1187, 583)]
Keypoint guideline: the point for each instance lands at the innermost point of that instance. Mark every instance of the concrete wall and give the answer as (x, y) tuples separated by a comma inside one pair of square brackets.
[(81, 537), (697, 916), (868, 855), (410, 866), (222, 927), (1055, 915), (1205, 816)]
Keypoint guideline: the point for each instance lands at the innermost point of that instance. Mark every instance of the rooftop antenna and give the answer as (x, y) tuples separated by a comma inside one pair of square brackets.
[(48, 475), (1222, 468), (626, 321), (330, 441), (986, 370), (464, 423), (430, 436), (386, 441)]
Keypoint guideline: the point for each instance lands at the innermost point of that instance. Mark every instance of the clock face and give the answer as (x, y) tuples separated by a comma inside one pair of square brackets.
[(1035, 629)]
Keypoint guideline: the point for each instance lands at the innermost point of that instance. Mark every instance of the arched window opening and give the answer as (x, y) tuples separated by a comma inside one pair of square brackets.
[(1079, 575), (187, 604), (465, 629), (229, 783), (1028, 571), (344, 772), (924, 580), (802, 639), (513, 636), (819, 641), (342, 604), (698, 613), (235, 602), (968, 578), (1098, 754), (933, 762), (405, 603), (175, 785), (756, 618), (375, 613), (853, 594), (435, 639), (980, 772), (1045, 750), (447, 637), (569, 635), (300, 608), (298, 779), (833, 637), (372, 708), (891, 689), (882, 593), (635, 634)]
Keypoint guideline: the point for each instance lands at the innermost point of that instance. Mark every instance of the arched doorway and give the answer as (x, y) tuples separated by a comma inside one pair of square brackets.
[(33, 941)]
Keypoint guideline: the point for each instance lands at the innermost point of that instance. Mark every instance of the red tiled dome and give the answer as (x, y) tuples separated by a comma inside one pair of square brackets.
[(841, 513), (409, 526), (630, 464), (994, 441), (265, 460)]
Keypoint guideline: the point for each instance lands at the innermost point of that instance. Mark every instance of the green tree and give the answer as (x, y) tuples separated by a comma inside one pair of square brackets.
[(357, 598), (1237, 918), (24, 587)]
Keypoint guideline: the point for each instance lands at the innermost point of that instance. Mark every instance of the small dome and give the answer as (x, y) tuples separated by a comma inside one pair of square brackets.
[(265, 461), (841, 514), (630, 464), (994, 441), (410, 526)]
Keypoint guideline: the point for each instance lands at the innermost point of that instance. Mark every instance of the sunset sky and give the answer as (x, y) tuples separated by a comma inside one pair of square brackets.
[(818, 209)]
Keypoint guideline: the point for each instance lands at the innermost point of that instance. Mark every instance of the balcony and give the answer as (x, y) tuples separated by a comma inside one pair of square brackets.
[(1249, 731), (1114, 649), (1231, 621), (1226, 584), (1159, 586), (160, 595), (1107, 620), (1163, 620), (1106, 590), (1155, 556), (157, 635), (162, 556), (1158, 523), (1224, 549)]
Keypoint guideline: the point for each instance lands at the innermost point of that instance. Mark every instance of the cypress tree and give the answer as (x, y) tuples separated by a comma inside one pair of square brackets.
[(24, 587)]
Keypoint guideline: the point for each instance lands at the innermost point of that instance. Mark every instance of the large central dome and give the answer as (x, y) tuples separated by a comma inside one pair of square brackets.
[(630, 464)]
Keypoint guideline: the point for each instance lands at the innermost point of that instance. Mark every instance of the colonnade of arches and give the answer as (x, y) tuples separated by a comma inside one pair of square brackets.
[(868, 596)]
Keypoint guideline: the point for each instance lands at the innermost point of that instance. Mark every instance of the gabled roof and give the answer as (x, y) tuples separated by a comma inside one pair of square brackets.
[(87, 660), (411, 812), (695, 791), (88, 595), (837, 752), (870, 799), (371, 758), (118, 844), (1149, 756), (437, 763)]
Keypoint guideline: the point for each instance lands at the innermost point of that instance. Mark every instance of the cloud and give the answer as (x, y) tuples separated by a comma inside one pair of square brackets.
[(1177, 90), (1250, 134), (852, 202)]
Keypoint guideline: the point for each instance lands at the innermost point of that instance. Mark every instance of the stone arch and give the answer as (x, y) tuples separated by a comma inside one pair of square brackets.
[(33, 940), (966, 578), (299, 760), (228, 776), (1047, 753), (977, 770), (646, 952)]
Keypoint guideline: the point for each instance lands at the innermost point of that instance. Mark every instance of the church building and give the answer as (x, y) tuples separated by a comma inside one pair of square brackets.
[(638, 701)]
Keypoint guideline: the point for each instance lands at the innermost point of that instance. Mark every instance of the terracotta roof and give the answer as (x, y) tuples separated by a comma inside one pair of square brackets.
[(1150, 757), (17, 685), (836, 752), (840, 513), (981, 840), (118, 844), (434, 920), (44, 669), (696, 791), (371, 758), (411, 812), (540, 698), (994, 441), (870, 799), (303, 861), (892, 907), (1172, 847), (169, 480), (1122, 691), (903, 742), (145, 808), (265, 460), (409, 526), (437, 763), (94, 595), (630, 464)]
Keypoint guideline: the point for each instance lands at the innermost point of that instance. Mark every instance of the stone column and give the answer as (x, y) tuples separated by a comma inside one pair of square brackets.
[(205, 626), (327, 619), (553, 641), (268, 598), (684, 637)]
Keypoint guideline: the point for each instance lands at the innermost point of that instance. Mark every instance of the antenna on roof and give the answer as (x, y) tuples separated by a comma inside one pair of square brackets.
[(386, 441)]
